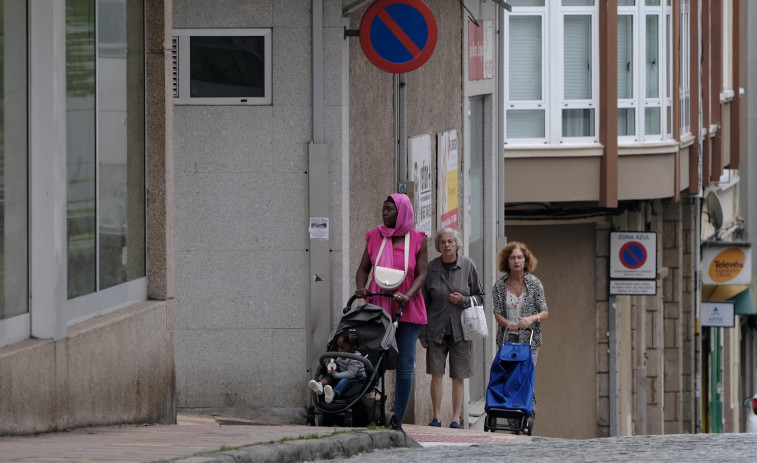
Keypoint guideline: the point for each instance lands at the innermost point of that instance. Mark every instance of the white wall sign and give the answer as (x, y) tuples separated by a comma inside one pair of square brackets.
[(717, 314), (419, 172), (633, 255), (319, 228), (633, 287)]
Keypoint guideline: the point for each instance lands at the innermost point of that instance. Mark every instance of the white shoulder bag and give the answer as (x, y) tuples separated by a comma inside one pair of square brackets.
[(390, 278)]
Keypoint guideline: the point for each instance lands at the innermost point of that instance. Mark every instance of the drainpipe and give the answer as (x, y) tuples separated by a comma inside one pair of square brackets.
[(501, 129), (400, 158), (613, 335), (318, 317)]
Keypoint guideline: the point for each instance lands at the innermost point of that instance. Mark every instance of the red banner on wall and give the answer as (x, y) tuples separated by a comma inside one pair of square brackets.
[(475, 51)]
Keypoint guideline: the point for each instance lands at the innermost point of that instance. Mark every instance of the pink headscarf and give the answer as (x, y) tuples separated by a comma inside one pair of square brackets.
[(405, 217), (405, 222)]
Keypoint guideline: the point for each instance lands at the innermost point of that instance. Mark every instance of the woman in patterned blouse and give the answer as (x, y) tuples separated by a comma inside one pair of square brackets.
[(518, 297)]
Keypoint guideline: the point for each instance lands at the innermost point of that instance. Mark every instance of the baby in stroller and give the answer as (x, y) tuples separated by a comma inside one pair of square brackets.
[(344, 372)]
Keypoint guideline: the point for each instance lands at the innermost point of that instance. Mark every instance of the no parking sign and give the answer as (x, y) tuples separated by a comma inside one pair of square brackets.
[(633, 255), (398, 35)]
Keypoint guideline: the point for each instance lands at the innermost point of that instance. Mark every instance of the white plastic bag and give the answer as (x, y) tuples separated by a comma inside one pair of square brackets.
[(474, 321)]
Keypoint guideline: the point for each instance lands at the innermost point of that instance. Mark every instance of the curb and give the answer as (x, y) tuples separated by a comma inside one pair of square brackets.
[(334, 446)]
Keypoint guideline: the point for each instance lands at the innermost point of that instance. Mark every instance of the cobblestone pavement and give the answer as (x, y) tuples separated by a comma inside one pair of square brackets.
[(670, 448)]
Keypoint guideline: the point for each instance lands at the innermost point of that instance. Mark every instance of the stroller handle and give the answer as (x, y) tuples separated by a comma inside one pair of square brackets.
[(397, 315)]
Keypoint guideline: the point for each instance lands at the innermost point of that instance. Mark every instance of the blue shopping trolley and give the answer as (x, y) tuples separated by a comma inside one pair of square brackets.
[(510, 393)]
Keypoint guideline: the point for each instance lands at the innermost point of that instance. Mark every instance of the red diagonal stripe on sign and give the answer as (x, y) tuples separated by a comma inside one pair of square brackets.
[(399, 33)]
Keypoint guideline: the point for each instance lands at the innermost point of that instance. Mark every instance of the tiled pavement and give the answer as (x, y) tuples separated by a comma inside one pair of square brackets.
[(192, 434)]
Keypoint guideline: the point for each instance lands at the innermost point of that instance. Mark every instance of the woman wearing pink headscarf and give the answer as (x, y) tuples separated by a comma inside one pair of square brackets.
[(398, 218)]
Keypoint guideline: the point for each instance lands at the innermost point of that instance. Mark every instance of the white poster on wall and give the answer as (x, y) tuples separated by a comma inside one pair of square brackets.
[(419, 172)]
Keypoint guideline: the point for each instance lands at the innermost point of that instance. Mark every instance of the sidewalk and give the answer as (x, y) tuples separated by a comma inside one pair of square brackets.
[(195, 434)]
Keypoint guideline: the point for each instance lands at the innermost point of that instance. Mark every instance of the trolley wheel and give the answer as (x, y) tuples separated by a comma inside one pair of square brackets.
[(391, 420), (530, 425)]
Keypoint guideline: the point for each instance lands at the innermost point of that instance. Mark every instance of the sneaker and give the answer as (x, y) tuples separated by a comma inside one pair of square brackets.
[(316, 386), (329, 393), (436, 423), (455, 425)]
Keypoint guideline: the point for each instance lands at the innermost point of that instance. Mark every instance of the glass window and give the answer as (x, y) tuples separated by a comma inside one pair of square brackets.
[(555, 102), (684, 88), (577, 52), (626, 122), (105, 144), (525, 68), (227, 67), (515, 3), (14, 234), (577, 2), (578, 122), (80, 146), (652, 57), (652, 121), (525, 123), (625, 56), (646, 84)]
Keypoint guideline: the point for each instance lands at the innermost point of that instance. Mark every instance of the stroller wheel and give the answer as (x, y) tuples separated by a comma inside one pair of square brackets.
[(348, 418), (310, 418), (391, 420)]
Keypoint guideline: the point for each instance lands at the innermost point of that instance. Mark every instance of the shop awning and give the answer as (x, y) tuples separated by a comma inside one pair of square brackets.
[(743, 296)]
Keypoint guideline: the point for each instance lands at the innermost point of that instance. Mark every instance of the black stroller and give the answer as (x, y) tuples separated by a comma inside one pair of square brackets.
[(511, 389), (364, 403)]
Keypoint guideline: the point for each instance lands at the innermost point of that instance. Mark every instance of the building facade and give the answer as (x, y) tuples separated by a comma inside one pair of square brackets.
[(216, 166), (637, 117), (87, 314)]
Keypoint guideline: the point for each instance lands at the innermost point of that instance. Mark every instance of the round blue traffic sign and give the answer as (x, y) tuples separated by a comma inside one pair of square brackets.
[(398, 35), (632, 254)]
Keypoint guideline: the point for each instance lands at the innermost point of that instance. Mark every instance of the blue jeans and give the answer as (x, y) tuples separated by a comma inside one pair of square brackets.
[(406, 336), (345, 384), (342, 385)]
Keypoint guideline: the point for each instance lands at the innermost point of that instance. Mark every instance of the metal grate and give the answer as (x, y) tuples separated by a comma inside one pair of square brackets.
[(175, 65)]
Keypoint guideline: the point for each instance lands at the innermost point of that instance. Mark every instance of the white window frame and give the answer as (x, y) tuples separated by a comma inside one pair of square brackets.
[(727, 53), (641, 102), (181, 63), (553, 101), (592, 103), (684, 89)]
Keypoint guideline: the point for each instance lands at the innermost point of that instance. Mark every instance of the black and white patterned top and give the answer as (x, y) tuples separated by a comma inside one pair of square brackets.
[(532, 302)]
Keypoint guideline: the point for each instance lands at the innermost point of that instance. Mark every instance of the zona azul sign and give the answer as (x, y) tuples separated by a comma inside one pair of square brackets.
[(633, 255)]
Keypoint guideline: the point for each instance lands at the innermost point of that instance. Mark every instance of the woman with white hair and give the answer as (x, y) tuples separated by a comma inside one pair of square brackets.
[(451, 283)]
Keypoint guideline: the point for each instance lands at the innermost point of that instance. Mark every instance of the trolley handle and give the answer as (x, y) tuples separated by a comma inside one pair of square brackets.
[(516, 333), (397, 314)]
